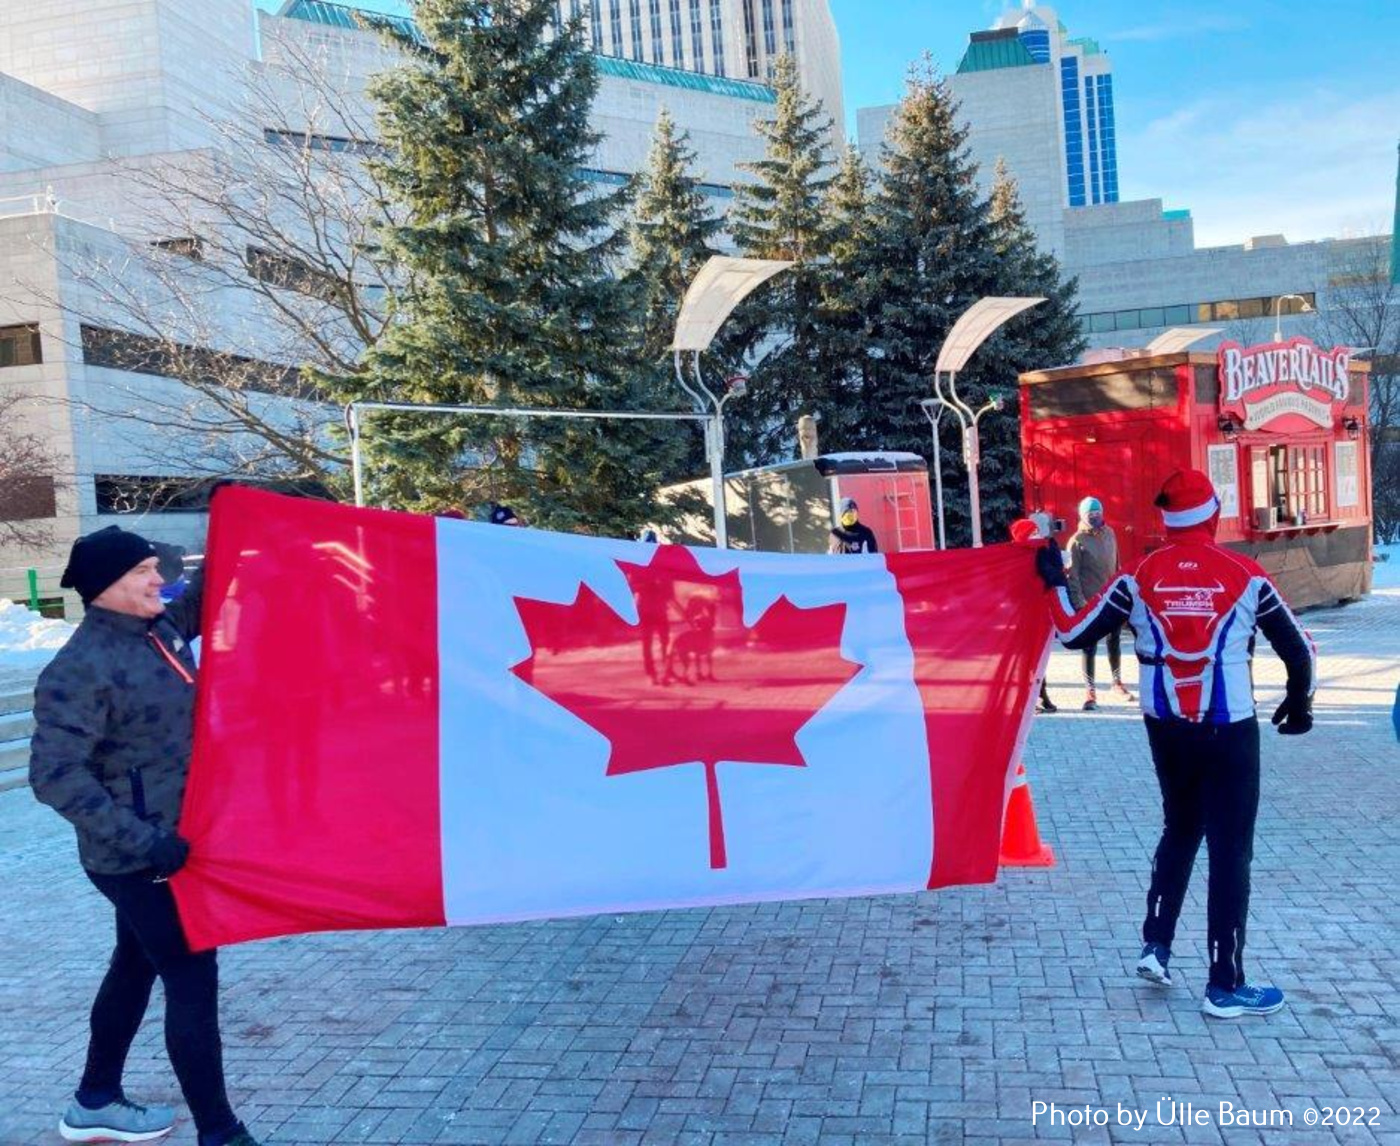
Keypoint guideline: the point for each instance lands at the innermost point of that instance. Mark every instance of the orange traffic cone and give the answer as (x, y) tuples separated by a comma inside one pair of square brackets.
[(1020, 838)]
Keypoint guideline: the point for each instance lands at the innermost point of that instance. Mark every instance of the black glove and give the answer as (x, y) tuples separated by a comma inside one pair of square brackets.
[(1294, 716), (1050, 565), (167, 855)]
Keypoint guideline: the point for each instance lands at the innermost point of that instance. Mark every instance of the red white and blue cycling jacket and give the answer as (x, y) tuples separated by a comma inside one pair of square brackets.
[(1194, 608)]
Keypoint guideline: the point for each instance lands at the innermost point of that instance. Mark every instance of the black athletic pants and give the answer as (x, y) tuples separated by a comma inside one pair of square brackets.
[(1209, 775), (1115, 657), (150, 943)]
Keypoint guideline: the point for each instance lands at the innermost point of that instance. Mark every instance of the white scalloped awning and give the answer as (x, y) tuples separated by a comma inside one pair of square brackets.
[(975, 326), (722, 284)]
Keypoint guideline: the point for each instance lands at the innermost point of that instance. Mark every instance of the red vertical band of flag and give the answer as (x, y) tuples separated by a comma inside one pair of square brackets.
[(977, 623), (298, 778)]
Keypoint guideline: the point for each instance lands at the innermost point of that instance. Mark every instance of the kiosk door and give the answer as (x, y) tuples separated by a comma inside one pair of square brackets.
[(1112, 472)]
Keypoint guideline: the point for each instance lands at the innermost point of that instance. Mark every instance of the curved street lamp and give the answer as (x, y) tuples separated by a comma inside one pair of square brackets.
[(976, 325), (720, 286), (1305, 308), (934, 413)]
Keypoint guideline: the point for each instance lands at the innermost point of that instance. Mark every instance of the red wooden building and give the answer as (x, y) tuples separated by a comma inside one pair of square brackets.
[(1281, 428)]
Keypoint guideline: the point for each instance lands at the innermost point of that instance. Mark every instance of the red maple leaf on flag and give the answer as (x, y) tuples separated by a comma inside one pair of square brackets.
[(689, 682)]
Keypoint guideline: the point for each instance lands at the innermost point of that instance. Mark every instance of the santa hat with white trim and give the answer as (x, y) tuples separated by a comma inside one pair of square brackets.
[(1187, 499)]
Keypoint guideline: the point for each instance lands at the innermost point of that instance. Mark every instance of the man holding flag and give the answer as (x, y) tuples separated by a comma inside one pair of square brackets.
[(1194, 608), (114, 727)]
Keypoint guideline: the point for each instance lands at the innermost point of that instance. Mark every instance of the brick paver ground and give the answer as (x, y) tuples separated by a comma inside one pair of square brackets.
[(933, 1018)]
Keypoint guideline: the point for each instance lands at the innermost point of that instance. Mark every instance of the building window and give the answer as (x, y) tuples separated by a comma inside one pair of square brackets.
[(1293, 480), (1037, 43), (292, 274), (658, 39), (1074, 129), (1091, 122), (129, 493), (789, 30), (677, 36), (1108, 139), (615, 26), (1223, 310), (595, 23), (178, 493), (770, 30), (20, 346), (28, 497), (314, 141), (634, 10), (189, 246), (697, 35), (751, 39), (717, 36), (107, 349)]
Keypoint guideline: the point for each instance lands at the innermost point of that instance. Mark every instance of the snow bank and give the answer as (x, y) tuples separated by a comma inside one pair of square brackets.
[(1386, 574), (28, 640)]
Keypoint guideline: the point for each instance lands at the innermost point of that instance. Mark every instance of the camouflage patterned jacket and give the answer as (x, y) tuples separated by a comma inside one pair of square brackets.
[(114, 725)]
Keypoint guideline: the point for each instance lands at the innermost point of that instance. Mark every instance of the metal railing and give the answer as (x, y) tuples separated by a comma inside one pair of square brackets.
[(37, 587), (47, 203)]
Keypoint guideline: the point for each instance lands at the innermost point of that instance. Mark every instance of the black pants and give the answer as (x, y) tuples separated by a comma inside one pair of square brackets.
[(1209, 775), (151, 942), (1115, 657)]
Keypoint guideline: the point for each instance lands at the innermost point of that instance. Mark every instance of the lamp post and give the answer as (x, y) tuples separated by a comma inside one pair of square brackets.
[(720, 286), (1305, 308), (934, 412), (975, 326)]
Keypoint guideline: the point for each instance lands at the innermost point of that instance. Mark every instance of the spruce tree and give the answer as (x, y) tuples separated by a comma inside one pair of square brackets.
[(506, 257), (937, 249), (673, 233), (842, 391), (1048, 335), (779, 215)]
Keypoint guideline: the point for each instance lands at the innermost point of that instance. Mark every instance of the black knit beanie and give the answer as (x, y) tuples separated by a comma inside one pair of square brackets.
[(100, 559)]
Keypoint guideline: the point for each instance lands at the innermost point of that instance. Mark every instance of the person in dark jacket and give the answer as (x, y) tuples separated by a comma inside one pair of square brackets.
[(504, 515), (114, 725), (851, 535)]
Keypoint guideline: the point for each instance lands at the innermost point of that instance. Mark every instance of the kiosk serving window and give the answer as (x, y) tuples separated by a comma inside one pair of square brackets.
[(1289, 484)]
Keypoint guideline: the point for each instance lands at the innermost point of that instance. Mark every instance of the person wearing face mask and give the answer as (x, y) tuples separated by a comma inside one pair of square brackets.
[(1195, 609), (851, 535), (114, 726), (1093, 563)]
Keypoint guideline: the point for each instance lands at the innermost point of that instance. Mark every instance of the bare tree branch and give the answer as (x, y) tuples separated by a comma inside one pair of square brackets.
[(29, 479), (1363, 311), (236, 308)]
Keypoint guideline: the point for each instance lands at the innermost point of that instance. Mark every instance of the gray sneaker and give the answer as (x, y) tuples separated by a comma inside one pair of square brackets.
[(119, 1121)]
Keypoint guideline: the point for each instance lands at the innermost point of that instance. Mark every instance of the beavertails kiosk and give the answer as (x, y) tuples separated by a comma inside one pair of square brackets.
[(1281, 429)]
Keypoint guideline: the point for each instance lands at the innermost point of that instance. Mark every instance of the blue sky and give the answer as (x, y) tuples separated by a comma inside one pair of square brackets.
[(1261, 116)]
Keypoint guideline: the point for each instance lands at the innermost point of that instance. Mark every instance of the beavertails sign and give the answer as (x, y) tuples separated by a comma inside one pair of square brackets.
[(1283, 386)]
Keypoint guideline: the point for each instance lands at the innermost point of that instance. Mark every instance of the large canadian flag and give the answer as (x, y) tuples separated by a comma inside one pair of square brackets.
[(412, 722)]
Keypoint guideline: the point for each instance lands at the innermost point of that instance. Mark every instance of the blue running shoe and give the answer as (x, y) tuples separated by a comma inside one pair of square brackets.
[(1153, 964), (119, 1121), (1247, 1000)]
